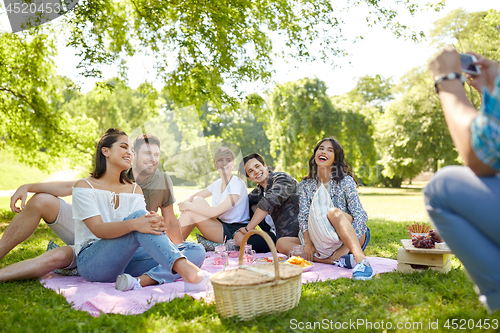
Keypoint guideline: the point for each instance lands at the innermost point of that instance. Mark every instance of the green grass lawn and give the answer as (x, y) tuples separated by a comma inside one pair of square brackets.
[(416, 300), (15, 173)]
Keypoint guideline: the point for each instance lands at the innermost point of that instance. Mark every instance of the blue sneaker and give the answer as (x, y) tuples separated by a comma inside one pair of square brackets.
[(362, 271), (346, 261)]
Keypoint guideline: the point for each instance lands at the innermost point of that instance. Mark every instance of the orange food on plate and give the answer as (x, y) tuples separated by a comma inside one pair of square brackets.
[(270, 259), (299, 262)]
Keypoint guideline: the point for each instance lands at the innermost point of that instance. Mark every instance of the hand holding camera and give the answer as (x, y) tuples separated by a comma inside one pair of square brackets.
[(488, 72), (479, 71), (468, 64)]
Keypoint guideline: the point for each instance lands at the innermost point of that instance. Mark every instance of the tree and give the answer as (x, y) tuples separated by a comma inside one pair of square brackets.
[(204, 49), (412, 135), (30, 92), (113, 104), (369, 98), (476, 32), (245, 127), (302, 114), (371, 91)]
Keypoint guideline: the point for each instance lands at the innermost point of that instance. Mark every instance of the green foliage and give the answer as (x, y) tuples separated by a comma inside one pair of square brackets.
[(370, 92), (196, 138), (204, 49), (185, 150), (368, 98), (245, 127), (29, 93), (302, 114), (476, 32), (299, 110), (113, 104), (412, 135)]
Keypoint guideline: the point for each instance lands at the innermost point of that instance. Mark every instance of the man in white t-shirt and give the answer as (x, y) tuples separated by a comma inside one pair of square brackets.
[(57, 213)]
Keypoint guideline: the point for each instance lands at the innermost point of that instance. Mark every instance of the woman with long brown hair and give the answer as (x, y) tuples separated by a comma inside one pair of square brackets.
[(331, 218)]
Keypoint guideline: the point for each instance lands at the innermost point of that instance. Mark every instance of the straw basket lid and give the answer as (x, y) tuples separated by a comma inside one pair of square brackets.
[(252, 275)]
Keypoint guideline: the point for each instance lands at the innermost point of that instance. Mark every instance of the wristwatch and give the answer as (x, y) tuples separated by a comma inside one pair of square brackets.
[(449, 76)]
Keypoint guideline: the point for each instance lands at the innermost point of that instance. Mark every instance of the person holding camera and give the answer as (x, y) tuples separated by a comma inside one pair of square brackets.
[(464, 202)]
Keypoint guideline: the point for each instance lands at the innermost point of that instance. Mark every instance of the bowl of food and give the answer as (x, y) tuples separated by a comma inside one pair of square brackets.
[(301, 262), (418, 234)]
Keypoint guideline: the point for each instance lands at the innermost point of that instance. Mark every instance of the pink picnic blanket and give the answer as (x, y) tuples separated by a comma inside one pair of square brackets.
[(97, 298)]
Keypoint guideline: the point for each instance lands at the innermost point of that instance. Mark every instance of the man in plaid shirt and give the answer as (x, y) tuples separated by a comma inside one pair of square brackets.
[(464, 202)]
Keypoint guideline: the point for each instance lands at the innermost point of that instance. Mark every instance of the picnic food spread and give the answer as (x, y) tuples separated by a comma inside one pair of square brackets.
[(270, 259), (298, 261), (422, 236)]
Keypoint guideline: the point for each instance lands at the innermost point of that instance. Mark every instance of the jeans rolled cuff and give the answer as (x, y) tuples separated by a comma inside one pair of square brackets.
[(171, 268), (162, 280), (159, 277)]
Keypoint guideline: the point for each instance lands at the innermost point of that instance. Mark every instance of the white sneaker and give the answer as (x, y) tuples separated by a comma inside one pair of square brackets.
[(200, 286), (125, 282)]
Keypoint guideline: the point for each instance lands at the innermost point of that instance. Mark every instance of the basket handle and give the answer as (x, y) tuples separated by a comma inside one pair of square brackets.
[(269, 242)]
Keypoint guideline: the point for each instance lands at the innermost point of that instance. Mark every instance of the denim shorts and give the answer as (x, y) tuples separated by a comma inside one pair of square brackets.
[(231, 228)]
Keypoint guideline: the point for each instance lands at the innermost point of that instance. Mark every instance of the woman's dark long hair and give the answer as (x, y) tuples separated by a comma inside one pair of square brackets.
[(340, 169), (107, 140)]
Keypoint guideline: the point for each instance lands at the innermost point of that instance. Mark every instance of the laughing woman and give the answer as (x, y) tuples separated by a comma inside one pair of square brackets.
[(332, 221), (229, 210), (111, 222)]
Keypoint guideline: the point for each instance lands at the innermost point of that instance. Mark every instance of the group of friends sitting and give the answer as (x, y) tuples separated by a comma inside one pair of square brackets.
[(114, 233)]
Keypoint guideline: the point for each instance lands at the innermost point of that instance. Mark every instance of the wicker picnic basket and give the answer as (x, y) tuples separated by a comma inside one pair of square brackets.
[(251, 290)]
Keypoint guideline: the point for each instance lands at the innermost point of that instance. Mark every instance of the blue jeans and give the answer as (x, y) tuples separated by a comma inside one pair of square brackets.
[(105, 259), (466, 212), (142, 262)]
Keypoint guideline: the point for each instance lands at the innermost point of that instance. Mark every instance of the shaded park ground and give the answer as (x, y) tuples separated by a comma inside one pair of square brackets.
[(415, 302)]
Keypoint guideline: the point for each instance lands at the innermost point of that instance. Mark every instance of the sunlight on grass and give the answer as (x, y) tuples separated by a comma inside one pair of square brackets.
[(406, 205), (16, 173)]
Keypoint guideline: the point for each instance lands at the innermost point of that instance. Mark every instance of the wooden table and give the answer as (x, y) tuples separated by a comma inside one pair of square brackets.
[(413, 259)]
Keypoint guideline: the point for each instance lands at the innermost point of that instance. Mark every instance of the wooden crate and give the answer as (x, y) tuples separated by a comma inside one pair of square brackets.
[(412, 259)]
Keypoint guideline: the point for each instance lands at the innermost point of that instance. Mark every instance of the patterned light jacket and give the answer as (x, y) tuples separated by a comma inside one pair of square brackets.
[(344, 196), (485, 128)]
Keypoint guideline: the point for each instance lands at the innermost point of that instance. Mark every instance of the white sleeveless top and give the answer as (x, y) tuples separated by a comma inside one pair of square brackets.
[(89, 202)]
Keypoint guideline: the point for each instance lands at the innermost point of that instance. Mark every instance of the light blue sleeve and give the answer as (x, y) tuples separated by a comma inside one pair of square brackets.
[(485, 129)]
